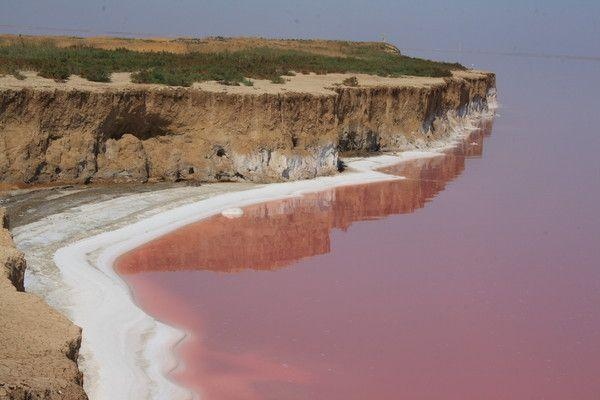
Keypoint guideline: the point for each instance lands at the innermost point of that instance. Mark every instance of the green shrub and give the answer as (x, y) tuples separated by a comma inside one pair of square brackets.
[(58, 72), (228, 83), (231, 67), (351, 81), (8, 69), (17, 74), (278, 80), (163, 76), (96, 74)]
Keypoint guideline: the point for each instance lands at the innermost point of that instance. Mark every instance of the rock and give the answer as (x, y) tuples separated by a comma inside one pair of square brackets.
[(123, 160), (39, 346)]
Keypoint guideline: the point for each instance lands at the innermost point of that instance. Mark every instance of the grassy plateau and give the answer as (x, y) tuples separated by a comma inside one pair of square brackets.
[(230, 63)]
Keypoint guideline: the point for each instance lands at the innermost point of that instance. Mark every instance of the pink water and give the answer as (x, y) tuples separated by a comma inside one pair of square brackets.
[(476, 278)]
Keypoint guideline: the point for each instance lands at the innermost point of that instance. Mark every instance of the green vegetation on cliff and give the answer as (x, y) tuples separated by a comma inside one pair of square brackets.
[(228, 67)]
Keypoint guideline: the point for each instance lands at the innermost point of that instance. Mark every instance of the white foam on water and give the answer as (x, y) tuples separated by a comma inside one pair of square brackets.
[(234, 212)]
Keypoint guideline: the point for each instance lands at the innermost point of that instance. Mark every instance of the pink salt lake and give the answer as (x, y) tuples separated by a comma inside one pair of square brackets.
[(475, 278)]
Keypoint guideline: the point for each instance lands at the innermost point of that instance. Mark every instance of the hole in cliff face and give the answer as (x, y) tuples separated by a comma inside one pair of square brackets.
[(139, 124), (190, 170), (348, 142), (177, 176), (38, 170), (220, 152), (353, 142), (223, 176), (428, 123), (372, 142)]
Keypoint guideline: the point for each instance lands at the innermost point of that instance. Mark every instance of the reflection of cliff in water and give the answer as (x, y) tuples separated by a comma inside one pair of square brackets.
[(276, 233)]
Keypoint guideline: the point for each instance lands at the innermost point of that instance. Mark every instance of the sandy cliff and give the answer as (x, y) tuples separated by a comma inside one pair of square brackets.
[(38, 346), (81, 131)]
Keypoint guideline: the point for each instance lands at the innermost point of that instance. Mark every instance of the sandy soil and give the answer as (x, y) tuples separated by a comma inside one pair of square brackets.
[(299, 83)]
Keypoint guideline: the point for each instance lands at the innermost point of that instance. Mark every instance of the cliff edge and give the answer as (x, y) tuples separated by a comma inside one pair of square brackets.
[(38, 346), (80, 131)]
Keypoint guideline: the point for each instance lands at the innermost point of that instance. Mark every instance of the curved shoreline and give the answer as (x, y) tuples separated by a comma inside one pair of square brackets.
[(125, 352), (96, 285)]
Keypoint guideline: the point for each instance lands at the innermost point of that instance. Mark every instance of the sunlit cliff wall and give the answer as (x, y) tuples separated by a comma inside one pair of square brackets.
[(38, 345), (76, 135)]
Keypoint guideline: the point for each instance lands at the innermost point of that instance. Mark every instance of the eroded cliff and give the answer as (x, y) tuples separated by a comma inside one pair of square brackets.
[(117, 132), (38, 346)]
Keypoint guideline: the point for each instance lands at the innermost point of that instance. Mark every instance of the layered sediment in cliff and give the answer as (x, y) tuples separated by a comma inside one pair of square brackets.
[(116, 133), (38, 346)]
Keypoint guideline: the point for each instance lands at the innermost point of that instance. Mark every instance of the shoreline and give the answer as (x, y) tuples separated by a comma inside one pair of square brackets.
[(100, 277), (102, 304)]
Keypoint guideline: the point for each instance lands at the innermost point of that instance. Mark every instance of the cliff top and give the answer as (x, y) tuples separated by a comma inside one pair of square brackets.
[(183, 62), (300, 83)]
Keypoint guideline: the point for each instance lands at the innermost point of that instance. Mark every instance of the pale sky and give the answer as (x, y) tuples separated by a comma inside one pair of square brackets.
[(558, 27)]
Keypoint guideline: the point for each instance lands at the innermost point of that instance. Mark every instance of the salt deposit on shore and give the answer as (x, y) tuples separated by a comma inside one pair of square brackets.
[(126, 353)]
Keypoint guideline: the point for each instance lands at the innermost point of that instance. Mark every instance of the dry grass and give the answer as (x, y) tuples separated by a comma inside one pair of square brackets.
[(181, 62), (333, 48)]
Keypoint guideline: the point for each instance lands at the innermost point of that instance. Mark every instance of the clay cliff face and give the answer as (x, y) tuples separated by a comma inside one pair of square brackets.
[(38, 345), (397, 118), (130, 134)]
